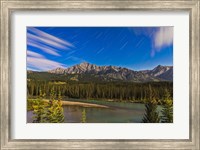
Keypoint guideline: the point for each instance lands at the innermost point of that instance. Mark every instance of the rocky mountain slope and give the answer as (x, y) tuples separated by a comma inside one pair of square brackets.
[(112, 73)]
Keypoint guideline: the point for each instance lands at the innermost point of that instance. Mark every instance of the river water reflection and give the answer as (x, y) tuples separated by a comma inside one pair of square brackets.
[(118, 112)]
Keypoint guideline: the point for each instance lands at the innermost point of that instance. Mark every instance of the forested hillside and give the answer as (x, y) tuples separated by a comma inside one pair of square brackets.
[(119, 91), (88, 81)]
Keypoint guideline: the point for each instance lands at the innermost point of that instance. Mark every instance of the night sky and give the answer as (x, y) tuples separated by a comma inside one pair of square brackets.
[(136, 48)]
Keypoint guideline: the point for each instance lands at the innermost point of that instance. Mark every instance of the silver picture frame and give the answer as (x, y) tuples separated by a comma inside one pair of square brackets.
[(8, 7)]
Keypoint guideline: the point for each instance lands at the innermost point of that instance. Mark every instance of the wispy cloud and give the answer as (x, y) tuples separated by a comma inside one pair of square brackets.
[(38, 62), (163, 37), (49, 37), (34, 54), (48, 43), (42, 47), (45, 41), (160, 37), (43, 63)]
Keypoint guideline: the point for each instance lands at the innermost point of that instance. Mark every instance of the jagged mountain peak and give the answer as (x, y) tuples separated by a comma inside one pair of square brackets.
[(84, 63), (160, 67), (118, 73)]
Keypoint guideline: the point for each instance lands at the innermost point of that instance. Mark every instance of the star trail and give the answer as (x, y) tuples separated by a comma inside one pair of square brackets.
[(136, 48)]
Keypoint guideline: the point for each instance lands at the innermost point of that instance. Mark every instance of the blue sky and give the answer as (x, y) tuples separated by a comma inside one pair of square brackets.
[(137, 48)]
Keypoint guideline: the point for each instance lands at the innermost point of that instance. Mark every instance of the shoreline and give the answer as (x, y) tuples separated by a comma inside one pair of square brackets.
[(65, 103)]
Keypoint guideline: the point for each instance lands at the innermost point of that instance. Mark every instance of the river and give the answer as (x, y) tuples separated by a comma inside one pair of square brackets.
[(118, 112)]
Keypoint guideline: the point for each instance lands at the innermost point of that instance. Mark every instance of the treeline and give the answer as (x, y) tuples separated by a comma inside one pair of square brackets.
[(120, 91)]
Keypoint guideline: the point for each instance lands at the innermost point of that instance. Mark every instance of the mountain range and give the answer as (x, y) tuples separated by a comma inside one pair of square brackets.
[(86, 71)]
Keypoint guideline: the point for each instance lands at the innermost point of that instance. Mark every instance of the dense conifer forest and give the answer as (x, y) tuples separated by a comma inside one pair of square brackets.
[(118, 91)]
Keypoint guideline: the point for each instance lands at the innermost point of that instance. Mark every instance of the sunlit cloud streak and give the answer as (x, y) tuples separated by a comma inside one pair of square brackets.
[(133, 47), (43, 63), (49, 37), (39, 62), (45, 41), (160, 37), (163, 37), (33, 58), (34, 54), (42, 47)]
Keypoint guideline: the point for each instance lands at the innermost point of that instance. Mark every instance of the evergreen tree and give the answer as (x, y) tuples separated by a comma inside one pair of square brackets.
[(39, 109), (59, 109), (167, 111), (51, 106), (55, 110), (52, 112), (120, 91), (83, 119), (151, 115)]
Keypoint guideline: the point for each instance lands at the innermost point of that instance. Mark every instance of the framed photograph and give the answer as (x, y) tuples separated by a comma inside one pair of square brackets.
[(90, 77), (100, 74)]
